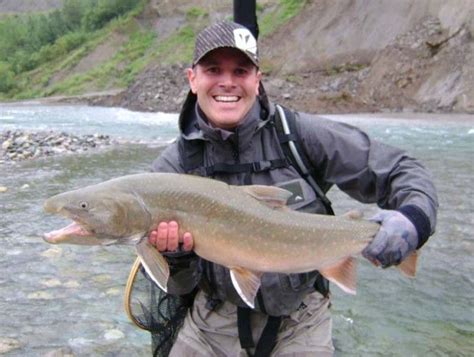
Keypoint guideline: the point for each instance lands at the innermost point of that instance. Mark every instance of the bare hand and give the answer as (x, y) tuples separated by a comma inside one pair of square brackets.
[(166, 238)]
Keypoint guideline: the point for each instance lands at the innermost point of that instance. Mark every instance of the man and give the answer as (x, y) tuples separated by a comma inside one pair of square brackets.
[(226, 123)]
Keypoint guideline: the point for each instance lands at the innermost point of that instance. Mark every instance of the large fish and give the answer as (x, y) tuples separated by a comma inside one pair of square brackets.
[(248, 229)]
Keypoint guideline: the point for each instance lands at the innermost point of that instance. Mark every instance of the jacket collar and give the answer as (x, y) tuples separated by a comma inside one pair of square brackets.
[(194, 125), (189, 105), (240, 134)]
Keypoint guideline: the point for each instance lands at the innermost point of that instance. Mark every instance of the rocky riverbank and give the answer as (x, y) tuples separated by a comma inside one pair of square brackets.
[(20, 145)]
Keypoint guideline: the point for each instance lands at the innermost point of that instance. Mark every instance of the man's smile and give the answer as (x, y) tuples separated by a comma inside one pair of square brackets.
[(226, 98), (226, 84)]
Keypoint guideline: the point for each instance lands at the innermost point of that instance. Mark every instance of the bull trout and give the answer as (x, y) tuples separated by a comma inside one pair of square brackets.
[(247, 229)]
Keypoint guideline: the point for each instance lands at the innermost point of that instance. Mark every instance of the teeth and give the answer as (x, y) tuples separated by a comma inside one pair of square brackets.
[(225, 98)]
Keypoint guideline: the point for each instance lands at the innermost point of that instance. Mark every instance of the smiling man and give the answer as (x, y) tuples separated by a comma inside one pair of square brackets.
[(225, 77), (226, 84), (228, 133)]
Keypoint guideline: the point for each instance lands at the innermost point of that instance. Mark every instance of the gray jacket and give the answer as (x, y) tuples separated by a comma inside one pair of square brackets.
[(342, 155)]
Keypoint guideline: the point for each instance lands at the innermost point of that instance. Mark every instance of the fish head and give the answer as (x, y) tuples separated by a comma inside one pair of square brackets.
[(101, 216)]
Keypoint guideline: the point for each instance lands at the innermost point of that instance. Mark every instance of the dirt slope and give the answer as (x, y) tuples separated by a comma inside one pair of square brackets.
[(347, 56), (373, 55), (335, 56)]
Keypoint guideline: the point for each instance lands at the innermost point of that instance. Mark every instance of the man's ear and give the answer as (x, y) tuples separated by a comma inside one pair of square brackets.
[(192, 80), (259, 77)]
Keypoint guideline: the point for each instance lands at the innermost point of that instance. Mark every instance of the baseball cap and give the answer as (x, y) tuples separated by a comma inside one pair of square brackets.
[(225, 34)]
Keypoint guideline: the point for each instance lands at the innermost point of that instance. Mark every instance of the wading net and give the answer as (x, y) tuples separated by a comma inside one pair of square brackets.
[(151, 309)]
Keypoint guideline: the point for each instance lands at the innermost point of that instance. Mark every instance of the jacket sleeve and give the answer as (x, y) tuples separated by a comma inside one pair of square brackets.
[(370, 171), (185, 271)]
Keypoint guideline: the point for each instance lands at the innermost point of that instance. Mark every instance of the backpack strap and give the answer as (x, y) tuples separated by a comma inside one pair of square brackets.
[(284, 120), (192, 156), (268, 338), (254, 167), (290, 142)]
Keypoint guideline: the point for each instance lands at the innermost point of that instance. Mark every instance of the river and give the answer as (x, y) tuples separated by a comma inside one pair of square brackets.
[(60, 300)]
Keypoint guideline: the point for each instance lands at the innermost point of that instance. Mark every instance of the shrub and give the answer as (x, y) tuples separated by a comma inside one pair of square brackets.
[(7, 78)]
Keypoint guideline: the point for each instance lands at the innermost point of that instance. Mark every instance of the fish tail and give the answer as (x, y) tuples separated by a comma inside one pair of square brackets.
[(408, 266)]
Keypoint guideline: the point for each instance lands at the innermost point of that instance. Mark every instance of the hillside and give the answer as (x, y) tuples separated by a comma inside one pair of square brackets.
[(317, 55)]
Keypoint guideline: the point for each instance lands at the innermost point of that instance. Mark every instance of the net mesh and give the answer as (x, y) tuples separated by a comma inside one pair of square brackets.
[(152, 309)]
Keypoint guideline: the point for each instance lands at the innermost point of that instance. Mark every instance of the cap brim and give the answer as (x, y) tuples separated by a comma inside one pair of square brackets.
[(197, 60)]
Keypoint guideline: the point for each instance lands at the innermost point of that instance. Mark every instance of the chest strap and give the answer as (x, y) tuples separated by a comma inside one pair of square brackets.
[(251, 167), (267, 340), (291, 146)]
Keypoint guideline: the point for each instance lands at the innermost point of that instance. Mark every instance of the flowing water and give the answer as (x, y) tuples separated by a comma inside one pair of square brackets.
[(69, 300)]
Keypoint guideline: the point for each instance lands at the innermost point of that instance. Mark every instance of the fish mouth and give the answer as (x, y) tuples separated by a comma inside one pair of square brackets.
[(75, 233), (78, 233), (69, 233)]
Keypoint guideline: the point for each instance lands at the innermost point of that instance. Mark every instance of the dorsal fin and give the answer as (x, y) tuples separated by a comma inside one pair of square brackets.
[(273, 197)]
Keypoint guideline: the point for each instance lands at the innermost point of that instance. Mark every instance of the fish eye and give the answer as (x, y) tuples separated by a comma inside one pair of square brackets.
[(84, 205)]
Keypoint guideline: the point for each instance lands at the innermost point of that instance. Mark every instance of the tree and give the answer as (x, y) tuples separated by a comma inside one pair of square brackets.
[(73, 12), (7, 78)]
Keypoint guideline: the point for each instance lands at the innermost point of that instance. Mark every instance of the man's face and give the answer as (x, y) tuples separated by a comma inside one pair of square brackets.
[(226, 84)]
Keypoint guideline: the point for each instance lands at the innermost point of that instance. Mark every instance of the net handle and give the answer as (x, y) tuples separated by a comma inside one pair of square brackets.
[(128, 293)]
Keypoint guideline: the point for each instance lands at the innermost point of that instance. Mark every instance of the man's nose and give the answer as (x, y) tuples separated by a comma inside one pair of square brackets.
[(227, 79)]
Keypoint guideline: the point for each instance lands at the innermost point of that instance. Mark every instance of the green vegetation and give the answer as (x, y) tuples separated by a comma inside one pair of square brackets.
[(195, 13), (93, 45), (119, 71), (335, 99), (272, 17), (332, 70), (294, 78), (29, 43), (178, 47), (7, 77), (285, 10)]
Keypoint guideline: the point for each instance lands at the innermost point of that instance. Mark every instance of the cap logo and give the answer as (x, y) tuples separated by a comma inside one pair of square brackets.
[(245, 41)]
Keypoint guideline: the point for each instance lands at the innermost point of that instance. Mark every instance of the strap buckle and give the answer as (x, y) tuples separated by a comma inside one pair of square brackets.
[(261, 166)]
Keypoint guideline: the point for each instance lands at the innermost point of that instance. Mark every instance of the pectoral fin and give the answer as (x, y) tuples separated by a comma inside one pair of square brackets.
[(408, 266), (155, 265), (246, 283), (342, 274), (273, 197)]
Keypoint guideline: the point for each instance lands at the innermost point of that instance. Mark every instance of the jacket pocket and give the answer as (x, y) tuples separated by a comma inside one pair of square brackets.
[(303, 194)]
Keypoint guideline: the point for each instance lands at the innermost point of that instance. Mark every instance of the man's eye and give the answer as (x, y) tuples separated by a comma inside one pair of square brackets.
[(212, 70), (241, 72)]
